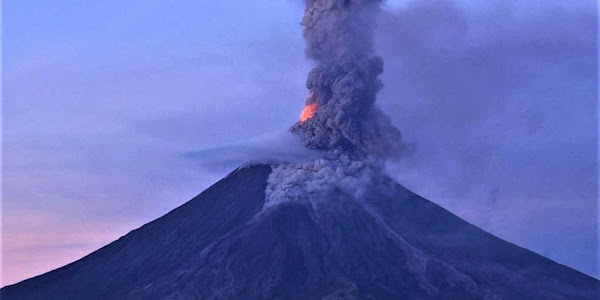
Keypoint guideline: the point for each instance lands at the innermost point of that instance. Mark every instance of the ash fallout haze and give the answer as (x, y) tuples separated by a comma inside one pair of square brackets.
[(431, 144)]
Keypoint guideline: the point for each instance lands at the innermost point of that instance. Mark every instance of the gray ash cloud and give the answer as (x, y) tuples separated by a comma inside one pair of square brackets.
[(344, 84)]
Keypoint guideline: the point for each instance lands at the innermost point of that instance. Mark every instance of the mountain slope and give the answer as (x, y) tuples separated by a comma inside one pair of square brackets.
[(392, 244)]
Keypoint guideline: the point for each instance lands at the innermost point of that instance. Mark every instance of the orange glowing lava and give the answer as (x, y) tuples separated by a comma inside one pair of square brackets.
[(308, 112)]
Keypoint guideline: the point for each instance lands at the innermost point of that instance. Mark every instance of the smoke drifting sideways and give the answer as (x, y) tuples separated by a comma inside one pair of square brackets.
[(344, 84), (275, 148)]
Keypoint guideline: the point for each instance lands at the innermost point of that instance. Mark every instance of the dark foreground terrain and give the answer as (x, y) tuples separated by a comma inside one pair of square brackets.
[(392, 244)]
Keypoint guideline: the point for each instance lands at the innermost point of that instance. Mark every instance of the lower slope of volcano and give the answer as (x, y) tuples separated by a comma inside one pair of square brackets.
[(390, 244)]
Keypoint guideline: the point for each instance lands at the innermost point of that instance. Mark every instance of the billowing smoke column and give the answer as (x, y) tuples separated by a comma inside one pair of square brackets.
[(344, 84), (340, 116)]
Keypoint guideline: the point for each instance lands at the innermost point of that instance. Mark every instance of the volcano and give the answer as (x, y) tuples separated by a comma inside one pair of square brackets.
[(226, 243)]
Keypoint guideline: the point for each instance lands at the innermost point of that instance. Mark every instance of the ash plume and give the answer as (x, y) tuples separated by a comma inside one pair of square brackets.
[(344, 84), (325, 178)]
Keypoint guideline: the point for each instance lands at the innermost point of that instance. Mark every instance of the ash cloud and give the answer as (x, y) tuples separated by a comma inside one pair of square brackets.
[(344, 84), (332, 176), (500, 96), (346, 125)]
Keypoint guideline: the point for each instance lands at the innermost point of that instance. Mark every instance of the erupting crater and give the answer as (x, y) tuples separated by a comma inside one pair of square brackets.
[(308, 111)]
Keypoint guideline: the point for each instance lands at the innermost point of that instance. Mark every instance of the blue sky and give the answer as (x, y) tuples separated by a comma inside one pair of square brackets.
[(101, 100)]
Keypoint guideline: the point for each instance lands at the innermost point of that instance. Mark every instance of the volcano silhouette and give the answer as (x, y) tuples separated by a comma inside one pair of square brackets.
[(222, 244)]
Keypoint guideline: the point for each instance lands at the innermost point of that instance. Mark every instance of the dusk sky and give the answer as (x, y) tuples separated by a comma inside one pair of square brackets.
[(104, 101)]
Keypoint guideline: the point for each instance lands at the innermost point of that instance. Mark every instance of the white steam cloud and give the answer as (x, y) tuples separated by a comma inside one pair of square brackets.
[(272, 148)]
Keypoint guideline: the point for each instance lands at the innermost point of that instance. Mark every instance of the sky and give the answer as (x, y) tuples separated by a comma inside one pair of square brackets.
[(103, 102)]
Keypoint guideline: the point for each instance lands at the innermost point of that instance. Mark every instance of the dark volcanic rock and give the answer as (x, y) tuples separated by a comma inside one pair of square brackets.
[(392, 244)]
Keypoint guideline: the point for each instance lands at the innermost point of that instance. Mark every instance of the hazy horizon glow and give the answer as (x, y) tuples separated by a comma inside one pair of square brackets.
[(102, 101)]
